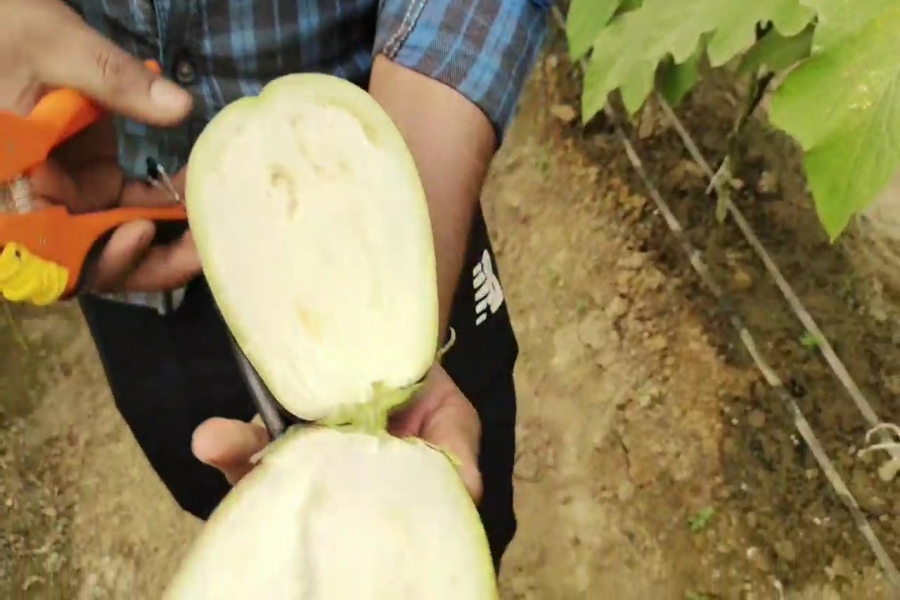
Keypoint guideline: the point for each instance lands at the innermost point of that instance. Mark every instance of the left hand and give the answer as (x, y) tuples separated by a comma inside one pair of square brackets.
[(439, 415)]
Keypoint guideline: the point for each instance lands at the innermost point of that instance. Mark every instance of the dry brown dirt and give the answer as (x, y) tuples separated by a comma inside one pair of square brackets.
[(653, 462)]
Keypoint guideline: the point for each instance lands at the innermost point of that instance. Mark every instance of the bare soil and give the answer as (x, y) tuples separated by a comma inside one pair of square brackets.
[(653, 463)]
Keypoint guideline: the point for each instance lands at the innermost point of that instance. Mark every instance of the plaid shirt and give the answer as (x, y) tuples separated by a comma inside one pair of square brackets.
[(223, 50)]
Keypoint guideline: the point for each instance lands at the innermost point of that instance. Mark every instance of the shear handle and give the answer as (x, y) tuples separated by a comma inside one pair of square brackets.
[(63, 113), (26, 142), (56, 235)]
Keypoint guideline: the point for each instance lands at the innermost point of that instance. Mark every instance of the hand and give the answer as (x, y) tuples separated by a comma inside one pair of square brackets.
[(84, 175), (440, 415), (45, 44)]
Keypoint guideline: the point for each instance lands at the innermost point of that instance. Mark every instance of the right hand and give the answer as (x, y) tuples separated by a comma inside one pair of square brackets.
[(44, 45)]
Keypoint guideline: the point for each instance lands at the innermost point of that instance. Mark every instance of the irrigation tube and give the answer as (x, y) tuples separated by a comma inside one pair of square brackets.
[(837, 367), (772, 379)]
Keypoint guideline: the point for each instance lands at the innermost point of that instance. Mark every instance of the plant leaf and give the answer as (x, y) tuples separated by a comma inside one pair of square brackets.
[(585, 20), (674, 81), (777, 52), (635, 42), (843, 107)]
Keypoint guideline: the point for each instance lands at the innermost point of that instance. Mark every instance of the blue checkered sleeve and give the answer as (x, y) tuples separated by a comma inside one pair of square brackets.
[(484, 49)]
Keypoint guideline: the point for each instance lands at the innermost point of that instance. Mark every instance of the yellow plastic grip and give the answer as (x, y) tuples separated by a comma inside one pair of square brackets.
[(25, 277)]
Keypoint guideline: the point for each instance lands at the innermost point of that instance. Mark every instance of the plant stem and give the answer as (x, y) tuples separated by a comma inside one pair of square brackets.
[(721, 181)]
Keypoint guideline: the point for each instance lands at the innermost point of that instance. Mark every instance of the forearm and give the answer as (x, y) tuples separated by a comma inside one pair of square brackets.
[(452, 143), (449, 73)]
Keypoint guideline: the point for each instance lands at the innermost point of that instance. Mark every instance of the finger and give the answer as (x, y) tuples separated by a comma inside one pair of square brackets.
[(98, 186), (125, 248), (141, 193), (165, 267), (442, 416), (88, 188), (74, 55), (51, 181), (38, 203), (229, 445), (179, 180), (96, 142), (455, 429)]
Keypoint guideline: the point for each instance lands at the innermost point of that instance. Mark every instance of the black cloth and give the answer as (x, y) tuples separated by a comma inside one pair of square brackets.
[(169, 373)]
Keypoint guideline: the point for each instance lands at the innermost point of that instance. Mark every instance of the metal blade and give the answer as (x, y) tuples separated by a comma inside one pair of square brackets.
[(265, 402)]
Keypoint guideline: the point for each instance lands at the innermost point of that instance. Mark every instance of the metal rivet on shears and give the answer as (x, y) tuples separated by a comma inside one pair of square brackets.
[(159, 179)]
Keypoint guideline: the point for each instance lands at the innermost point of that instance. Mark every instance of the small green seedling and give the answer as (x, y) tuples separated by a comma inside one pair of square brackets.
[(701, 520), (809, 340)]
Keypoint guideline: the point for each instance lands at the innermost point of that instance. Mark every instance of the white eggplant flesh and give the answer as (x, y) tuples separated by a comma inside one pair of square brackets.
[(334, 515), (313, 230), (314, 234)]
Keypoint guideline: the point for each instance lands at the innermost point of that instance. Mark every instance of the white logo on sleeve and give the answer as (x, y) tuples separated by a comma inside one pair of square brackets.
[(488, 293)]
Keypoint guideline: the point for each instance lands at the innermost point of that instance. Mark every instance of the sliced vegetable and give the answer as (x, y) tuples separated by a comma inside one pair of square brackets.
[(311, 223)]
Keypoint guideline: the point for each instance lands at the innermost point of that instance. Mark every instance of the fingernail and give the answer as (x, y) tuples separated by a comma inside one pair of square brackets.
[(166, 94)]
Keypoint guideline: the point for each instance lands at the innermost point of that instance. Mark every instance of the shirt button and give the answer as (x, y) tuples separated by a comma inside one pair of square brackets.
[(185, 73)]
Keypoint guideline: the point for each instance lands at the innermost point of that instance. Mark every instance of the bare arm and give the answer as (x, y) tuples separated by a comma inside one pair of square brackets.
[(452, 142), (449, 73)]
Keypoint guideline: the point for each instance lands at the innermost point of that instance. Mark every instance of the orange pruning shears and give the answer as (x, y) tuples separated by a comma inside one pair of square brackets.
[(43, 251)]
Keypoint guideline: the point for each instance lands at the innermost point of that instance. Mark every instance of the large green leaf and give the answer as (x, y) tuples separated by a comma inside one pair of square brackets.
[(843, 106), (627, 52), (777, 52), (842, 18), (628, 5), (585, 20), (674, 81)]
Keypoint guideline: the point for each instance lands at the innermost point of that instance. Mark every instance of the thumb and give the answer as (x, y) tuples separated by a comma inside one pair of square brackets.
[(85, 61), (123, 250), (166, 267), (453, 429), (229, 445)]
